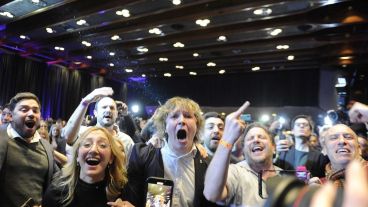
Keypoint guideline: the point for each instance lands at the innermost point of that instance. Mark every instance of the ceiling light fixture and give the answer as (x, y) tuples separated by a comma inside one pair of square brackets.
[(163, 59), (222, 38), (262, 11), (155, 31), (176, 2), (87, 44), (143, 75), (111, 53), (178, 44), (290, 57), (211, 64), (115, 37), (167, 74), (256, 68), (24, 37), (49, 30), (89, 57), (346, 57), (222, 71), (192, 73), (59, 48), (7, 14), (202, 22), (124, 13), (275, 32), (142, 49), (128, 70), (81, 22), (282, 47), (195, 54), (39, 3), (179, 66), (111, 64)]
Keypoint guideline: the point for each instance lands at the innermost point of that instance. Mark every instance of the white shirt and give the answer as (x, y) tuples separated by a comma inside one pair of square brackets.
[(181, 170), (12, 134)]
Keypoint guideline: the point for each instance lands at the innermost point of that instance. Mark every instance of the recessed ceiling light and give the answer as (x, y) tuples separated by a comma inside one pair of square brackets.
[(275, 32), (143, 75), (59, 48), (344, 66), (222, 71), (179, 66), (128, 70), (222, 38), (111, 64), (195, 54), (142, 49), (176, 2), (167, 74), (211, 64), (77, 62), (81, 22), (49, 30), (178, 44), (24, 37), (87, 44), (192, 73), (89, 57), (256, 68), (346, 57), (262, 11), (155, 31), (111, 53), (163, 59), (282, 47), (290, 57), (7, 14), (115, 37), (124, 13), (202, 22)]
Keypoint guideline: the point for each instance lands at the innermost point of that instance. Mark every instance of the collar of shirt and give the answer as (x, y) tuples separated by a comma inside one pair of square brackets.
[(168, 152), (244, 164), (13, 134)]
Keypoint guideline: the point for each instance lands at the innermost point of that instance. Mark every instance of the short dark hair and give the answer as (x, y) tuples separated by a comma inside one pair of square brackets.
[(258, 125), (212, 114), (306, 117), (21, 96)]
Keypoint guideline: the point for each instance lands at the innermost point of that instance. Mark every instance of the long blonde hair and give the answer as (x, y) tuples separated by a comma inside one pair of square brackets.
[(116, 172)]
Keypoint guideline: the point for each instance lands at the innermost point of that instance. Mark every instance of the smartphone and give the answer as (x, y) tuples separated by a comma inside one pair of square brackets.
[(159, 192), (246, 117)]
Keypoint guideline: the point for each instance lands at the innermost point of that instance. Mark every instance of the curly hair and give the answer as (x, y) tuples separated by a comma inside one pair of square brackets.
[(178, 103)]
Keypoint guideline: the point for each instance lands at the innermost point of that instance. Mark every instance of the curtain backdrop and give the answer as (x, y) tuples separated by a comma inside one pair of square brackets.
[(59, 89)]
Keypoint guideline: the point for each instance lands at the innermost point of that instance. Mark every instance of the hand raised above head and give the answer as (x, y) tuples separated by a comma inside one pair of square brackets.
[(98, 93), (358, 113), (234, 127)]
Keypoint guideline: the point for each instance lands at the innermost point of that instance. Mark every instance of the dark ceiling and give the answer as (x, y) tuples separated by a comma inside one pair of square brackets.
[(240, 35)]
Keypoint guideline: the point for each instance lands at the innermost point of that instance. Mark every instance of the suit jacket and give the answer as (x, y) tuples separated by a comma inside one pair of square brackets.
[(146, 161), (52, 167), (316, 161)]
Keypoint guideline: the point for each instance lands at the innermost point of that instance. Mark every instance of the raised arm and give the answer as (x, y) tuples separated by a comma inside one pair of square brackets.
[(71, 129), (216, 175)]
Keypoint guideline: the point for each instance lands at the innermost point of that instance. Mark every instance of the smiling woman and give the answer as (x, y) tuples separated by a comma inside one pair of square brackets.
[(95, 176)]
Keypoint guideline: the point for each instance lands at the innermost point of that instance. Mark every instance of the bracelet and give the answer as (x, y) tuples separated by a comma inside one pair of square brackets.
[(226, 144)]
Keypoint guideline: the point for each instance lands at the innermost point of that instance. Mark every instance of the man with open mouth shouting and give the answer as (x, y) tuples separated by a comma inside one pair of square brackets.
[(237, 184), (106, 114), (26, 160), (179, 122)]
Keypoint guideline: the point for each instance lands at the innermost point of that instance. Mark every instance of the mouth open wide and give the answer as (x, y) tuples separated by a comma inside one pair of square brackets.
[(92, 161), (181, 134)]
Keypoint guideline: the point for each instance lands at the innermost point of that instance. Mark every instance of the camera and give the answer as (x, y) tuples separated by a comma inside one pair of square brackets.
[(287, 191), (338, 117)]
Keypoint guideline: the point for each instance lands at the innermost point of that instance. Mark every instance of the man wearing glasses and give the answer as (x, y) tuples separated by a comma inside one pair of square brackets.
[(300, 154)]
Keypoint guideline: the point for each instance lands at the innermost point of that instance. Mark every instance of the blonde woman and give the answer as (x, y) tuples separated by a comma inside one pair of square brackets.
[(95, 177)]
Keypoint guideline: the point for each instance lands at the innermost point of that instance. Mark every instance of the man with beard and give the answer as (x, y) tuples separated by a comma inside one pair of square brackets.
[(212, 134), (237, 184), (106, 113), (26, 160), (301, 154)]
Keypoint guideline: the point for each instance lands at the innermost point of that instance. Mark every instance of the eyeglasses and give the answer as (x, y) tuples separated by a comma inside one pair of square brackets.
[(100, 145), (301, 124)]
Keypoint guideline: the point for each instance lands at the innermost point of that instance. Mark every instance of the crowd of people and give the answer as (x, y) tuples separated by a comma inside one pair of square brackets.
[(212, 160)]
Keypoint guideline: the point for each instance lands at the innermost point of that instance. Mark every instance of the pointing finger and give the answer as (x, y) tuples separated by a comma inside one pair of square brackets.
[(238, 112)]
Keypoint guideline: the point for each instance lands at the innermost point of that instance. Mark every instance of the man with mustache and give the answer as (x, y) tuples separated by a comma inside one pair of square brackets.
[(26, 160), (106, 114)]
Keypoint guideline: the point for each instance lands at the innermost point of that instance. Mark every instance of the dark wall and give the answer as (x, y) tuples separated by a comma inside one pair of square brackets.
[(60, 90), (274, 88)]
